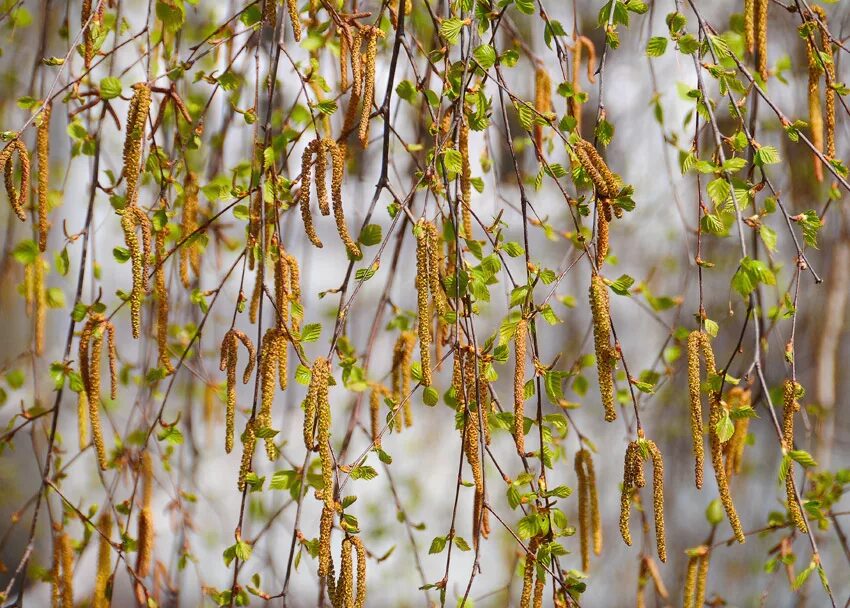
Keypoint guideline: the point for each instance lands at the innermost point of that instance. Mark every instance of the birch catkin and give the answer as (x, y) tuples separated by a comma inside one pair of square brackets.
[(658, 498), (66, 564), (604, 180), (104, 564), (304, 194), (424, 312), (829, 79), (605, 353), (749, 26), (229, 345), (372, 34), (134, 218), (338, 168), (249, 443), (190, 258), (360, 597), (590, 523), (39, 303), (715, 416), (161, 300), (137, 116), (815, 112), (520, 338), (42, 140), (528, 572), (542, 102), (146, 531), (295, 20), (465, 178), (632, 480), (89, 355), (401, 376), (269, 355), (698, 342), (761, 37), (434, 282), (790, 406), (17, 197)]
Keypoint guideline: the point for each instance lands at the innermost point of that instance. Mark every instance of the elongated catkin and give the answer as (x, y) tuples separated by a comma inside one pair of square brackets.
[(715, 417), (104, 563), (17, 196), (465, 178), (228, 362), (145, 529), (542, 102), (658, 498), (520, 339), (422, 292), (137, 117), (761, 37), (42, 140), (791, 391), (698, 342), (605, 353), (161, 294), (190, 258)]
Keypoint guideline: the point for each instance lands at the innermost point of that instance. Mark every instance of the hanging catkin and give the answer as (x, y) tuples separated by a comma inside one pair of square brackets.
[(520, 340), (815, 112), (104, 563), (344, 592), (89, 354), (249, 442), (304, 193), (190, 257), (590, 523), (318, 379), (39, 303), (749, 26), (702, 578), (377, 393), (229, 346), (132, 219), (605, 353), (270, 351), (791, 392), (465, 177), (422, 290), (337, 174), (63, 569), (137, 117), (402, 378), (472, 444), (761, 37), (360, 597), (372, 34), (607, 184), (82, 420), (734, 448), (603, 210), (87, 22), (146, 531), (715, 417), (42, 143), (632, 480), (295, 20), (321, 368), (542, 103), (698, 342), (434, 281), (528, 572), (829, 79), (658, 498), (17, 196), (161, 294), (325, 526)]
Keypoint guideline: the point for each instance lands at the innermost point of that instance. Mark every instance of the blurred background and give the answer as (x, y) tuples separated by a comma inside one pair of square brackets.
[(196, 503)]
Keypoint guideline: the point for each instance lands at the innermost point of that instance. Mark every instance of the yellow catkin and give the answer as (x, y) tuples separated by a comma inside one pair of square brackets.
[(372, 35), (318, 378), (632, 479), (401, 376), (573, 105), (56, 571), (132, 219), (360, 597), (104, 563), (344, 33), (697, 341), (715, 417), (87, 22), (42, 142), (520, 341), (294, 290), (249, 442), (434, 282), (542, 102), (749, 26), (815, 112), (338, 168), (17, 196), (734, 448), (424, 312), (134, 139), (292, 9), (161, 293), (282, 285), (189, 255), (228, 362), (325, 526), (465, 178), (702, 579), (472, 446), (606, 183), (66, 566), (528, 573), (829, 79), (82, 420), (90, 349), (257, 293), (761, 37), (269, 353), (539, 588), (40, 304), (590, 523), (146, 531), (321, 368), (375, 414), (790, 393), (605, 353), (690, 581), (601, 233), (658, 498), (304, 194), (345, 584)]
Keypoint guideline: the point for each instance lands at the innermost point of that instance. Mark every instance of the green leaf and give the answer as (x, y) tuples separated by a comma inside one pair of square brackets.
[(656, 46), (450, 29), (110, 87), (485, 55), (803, 457), (364, 471), (621, 285), (461, 544), (311, 332), (26, 251), (437, 545), (724, 428), (371, 234)]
